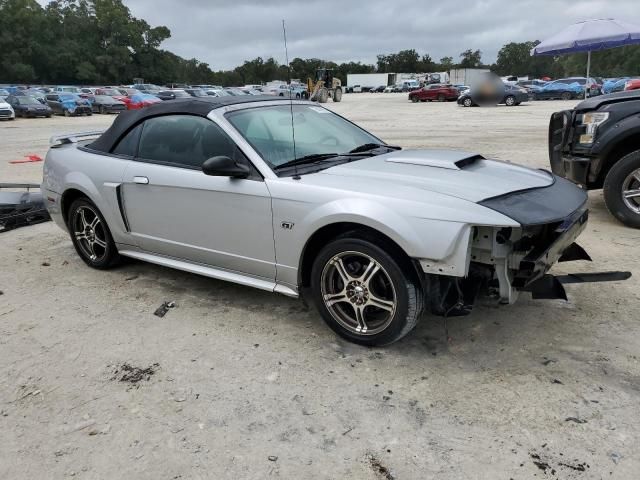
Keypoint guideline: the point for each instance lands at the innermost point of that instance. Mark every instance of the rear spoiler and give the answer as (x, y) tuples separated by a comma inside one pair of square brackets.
[(59, 140)]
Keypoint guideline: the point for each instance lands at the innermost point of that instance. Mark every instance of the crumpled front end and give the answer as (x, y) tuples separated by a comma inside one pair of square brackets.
[(504, 261)]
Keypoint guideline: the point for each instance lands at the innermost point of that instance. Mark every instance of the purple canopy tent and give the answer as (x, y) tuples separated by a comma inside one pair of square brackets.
[(589, 36)]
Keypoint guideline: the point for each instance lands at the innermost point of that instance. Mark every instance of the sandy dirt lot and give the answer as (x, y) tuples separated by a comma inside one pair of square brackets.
[(248, 385)]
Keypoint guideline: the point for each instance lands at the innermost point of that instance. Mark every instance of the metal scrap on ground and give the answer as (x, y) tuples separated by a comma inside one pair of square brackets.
[(19, 206)]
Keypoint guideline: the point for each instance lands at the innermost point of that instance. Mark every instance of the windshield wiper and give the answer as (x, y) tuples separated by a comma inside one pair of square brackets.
[(371, 146), (314, 157), (361, 151)]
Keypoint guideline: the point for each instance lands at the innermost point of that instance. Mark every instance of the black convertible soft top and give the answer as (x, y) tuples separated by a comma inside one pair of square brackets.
[(200, 106)]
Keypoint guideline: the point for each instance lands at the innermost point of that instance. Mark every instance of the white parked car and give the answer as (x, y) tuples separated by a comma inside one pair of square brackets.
[(6, 111)]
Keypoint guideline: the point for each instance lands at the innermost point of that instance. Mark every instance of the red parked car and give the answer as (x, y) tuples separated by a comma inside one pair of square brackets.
[(633, 84), (141, 100), (437, 91)]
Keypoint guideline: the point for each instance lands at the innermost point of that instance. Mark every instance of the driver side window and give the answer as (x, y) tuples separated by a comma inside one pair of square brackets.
[(183, 141)]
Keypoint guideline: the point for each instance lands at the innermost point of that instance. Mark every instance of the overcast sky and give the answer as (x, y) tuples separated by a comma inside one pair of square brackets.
[(224, 33)]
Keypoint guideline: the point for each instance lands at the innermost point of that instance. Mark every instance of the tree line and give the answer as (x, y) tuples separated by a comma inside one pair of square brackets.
[(100, 42)]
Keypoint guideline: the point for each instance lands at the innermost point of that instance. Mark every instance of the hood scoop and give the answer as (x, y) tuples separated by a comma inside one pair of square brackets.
[(449, 159)]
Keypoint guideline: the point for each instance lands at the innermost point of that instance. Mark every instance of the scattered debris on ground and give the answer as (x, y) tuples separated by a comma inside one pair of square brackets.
[(162, 310), (578, 467), (134, 375), (272, 458), (575, 420), (381, 470), (545, 464), (541, 464)]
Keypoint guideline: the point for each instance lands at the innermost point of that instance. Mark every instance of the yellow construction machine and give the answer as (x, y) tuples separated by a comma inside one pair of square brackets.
[(324, 86)]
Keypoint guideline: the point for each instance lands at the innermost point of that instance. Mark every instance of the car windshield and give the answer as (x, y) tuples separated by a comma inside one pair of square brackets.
[(318, 132), (109, 91), (68, 97), (24, 100), (104, 99)]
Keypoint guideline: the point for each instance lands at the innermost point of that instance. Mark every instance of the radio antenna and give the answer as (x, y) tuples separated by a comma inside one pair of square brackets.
[(293, 130)]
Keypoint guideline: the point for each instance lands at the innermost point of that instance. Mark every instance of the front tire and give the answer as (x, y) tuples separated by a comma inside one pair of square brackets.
[(91, 236), (467, 102), (323, 95), (622, 190), (364, 293), (337, 95), (510, 101), (566, 96)]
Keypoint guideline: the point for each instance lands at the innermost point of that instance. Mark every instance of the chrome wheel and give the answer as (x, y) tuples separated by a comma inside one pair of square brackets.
[(358, 293), (89, 233), (631, 191)]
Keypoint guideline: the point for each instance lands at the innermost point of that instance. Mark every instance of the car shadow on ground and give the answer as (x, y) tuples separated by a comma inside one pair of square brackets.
[(491, 330)]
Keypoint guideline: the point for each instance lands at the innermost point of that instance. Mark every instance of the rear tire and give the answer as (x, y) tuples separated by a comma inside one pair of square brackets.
[(364, 293), (337, 95), (620, 187), (91, 236), (414, 99), (510, 101), (566, 96), (441, 98)]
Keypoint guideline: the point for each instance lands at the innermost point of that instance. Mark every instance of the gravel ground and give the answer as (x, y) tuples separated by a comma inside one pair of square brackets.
[(241, 384)]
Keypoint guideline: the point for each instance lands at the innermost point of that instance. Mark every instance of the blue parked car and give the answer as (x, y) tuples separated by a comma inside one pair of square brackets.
[(68, 104), (615, 85), (562, 89)]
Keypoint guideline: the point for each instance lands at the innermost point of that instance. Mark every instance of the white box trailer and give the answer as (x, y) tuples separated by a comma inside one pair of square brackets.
[(466, 76), (367, 79)]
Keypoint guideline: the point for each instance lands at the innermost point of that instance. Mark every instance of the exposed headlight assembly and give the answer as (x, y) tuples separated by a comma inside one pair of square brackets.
[(592, 121)]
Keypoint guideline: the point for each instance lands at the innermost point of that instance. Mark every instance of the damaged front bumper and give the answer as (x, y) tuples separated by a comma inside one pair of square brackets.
[(506, 261)]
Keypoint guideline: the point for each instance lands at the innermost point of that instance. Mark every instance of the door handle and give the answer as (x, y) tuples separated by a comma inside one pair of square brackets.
[(141, 180)]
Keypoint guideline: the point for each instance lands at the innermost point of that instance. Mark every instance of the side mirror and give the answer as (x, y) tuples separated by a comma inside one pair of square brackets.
[(224, 167)]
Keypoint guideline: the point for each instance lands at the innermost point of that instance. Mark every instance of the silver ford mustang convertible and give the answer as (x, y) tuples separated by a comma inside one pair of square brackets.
[(292, 198)]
